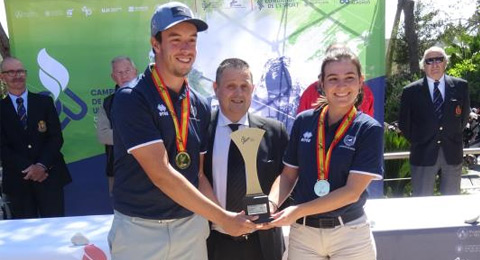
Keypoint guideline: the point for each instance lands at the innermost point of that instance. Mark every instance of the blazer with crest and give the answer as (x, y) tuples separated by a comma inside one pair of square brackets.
[(424, 131), (269, 166), (39, 143)]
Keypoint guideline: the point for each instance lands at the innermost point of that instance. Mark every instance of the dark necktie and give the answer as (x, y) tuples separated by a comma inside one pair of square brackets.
[(21, 112), (437, 100), (236, 180)]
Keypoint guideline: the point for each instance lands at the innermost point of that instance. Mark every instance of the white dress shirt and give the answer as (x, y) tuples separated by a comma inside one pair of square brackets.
[(221, 145), (25, 99), (441, 86)]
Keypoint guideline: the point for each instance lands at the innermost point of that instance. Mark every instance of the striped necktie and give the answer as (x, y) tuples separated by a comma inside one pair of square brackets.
[(21, 112), (437, 100), (236, 180)]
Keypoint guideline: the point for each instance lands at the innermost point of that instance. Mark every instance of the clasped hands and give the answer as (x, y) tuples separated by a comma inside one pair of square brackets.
[(243, 224), (36, 172)]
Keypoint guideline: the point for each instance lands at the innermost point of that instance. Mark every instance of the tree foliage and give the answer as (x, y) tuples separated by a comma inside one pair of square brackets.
[(465, 63), (461, 41), (427, 31)]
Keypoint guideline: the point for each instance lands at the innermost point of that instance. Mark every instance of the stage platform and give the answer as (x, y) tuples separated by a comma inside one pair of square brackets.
[(404, 229)]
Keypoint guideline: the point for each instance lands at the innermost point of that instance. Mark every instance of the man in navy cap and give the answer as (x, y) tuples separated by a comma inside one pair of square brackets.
[(160, 134)]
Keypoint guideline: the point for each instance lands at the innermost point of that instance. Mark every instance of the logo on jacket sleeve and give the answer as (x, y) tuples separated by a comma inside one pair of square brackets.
[(307, 137), (162, 110)]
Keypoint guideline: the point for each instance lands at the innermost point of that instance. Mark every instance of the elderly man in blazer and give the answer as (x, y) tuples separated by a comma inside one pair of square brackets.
[(234, 88), (433, 114), (34, 171)]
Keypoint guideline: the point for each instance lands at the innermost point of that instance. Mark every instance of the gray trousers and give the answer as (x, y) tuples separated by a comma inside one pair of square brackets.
[(423, 177), (147, 239)]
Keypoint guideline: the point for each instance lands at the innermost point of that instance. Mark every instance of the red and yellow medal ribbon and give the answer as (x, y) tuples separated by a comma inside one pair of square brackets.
[(181, 128), (323, 157)]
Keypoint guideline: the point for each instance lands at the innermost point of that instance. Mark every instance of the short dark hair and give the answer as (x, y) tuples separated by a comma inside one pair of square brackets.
[(158, 36), (234, 63)]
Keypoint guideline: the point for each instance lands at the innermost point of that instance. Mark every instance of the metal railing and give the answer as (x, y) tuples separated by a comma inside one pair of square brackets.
[(405, 155)]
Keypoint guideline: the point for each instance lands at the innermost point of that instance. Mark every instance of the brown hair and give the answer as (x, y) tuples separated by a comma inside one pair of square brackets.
[(338, 54)]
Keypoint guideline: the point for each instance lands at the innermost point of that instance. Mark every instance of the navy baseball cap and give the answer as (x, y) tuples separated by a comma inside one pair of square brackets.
[(173, 13)]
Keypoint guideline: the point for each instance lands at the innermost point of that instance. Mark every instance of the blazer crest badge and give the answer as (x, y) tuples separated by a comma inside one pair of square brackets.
[(42, 126)]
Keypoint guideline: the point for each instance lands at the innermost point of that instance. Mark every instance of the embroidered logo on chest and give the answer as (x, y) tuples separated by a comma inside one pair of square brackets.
[(349, 140), (307, 137), (162, 110), (193, 113)]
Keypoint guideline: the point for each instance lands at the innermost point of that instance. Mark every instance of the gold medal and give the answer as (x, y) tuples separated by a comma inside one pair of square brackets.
[(182, 159)]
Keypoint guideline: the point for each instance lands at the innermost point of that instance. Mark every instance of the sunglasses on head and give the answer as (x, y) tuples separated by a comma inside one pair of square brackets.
[(430, 61)]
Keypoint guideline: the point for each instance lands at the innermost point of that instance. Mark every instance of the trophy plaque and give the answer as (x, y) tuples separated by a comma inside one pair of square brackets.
[(255, 202)]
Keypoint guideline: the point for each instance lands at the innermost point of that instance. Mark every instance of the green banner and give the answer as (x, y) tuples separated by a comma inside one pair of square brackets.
[(67, 46)]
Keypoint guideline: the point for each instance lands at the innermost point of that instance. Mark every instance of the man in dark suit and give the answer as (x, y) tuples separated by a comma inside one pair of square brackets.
[(234, 88), (34, 171), (433, 114)]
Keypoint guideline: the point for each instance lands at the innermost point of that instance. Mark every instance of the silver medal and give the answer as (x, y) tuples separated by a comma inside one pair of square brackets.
[(321, 188)]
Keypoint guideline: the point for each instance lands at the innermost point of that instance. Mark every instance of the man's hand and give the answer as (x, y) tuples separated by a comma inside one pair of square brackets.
[(35, 172), (237, 224)]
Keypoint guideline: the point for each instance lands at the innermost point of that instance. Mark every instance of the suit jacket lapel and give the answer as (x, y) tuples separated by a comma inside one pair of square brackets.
[(211, 135), (425, 92), (12, 113), (8, 106), (33, 115), (449, 95), (255, 121)]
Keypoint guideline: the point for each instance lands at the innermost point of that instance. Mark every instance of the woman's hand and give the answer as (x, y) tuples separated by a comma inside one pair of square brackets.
[(286, 217)]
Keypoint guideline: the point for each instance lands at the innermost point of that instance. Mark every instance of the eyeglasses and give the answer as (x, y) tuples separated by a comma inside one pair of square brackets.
[(435, 60), (13, 73)]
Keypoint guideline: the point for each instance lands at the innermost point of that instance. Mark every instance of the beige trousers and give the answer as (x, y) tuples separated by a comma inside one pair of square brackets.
[(352, 241)]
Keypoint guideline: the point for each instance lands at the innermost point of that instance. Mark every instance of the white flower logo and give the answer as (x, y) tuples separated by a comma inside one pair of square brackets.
[(53, 75), (307, 135), (161, 108)]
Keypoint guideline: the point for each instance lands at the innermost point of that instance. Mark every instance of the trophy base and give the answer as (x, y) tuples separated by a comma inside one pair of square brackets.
[(257, 205)]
